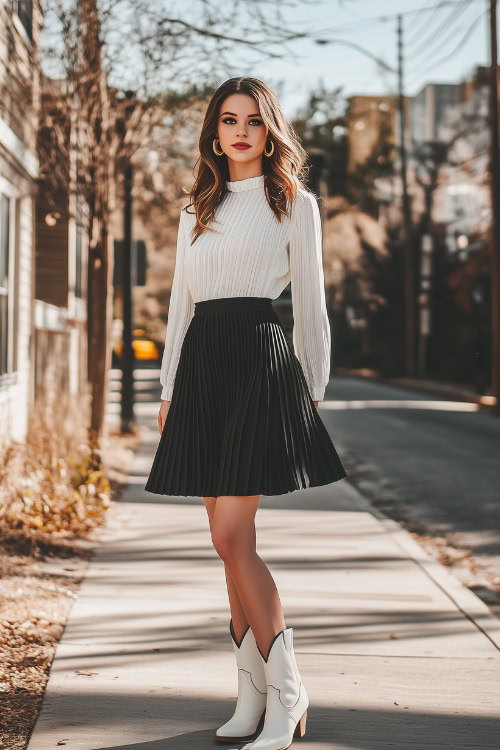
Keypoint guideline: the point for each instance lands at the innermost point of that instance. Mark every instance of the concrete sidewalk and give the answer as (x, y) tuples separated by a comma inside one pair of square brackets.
[(394, 651)]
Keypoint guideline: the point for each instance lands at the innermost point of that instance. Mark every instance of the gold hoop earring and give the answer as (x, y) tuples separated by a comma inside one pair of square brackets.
[(214, 146), (272, 150)]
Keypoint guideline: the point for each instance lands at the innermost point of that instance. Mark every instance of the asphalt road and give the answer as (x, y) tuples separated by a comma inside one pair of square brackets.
[(436, 467)]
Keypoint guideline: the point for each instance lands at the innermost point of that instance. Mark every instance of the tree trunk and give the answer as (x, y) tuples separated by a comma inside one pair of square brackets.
[(99, 318), (100, 267)]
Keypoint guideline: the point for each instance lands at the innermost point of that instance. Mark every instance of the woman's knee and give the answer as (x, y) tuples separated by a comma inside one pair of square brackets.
[(225, 542), (232, 545), (233, 528)]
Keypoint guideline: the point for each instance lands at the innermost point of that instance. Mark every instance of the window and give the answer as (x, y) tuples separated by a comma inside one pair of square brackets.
[(78, 255), (24, 11), (79, 220), (4, 282)]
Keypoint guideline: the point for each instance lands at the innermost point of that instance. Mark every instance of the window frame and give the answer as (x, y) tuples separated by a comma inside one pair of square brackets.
[(19, 20), (9, 290)]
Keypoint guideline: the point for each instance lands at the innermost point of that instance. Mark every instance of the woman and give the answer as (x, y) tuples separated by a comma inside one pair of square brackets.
[(238, 416)]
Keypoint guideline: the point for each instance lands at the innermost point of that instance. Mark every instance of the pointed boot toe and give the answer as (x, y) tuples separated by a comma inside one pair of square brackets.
[(252, 691)]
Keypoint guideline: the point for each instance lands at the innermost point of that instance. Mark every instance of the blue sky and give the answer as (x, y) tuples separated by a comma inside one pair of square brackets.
[(430, 36)]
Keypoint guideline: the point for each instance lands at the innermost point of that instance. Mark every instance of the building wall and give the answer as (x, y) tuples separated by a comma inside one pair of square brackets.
[(51, 257), (19, 107), (15, 385), (369, 119), (61, 252), (428, 109)]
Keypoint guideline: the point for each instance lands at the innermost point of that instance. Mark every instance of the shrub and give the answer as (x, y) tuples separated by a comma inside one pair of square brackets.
[(54, 481)]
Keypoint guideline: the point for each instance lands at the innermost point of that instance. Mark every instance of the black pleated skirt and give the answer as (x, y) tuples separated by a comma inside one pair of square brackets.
[(241, 419)]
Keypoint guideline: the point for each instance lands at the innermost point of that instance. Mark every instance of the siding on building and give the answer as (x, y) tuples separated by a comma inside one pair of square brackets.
[(61, 254), (15, 385), (19, 107), (51, 258)]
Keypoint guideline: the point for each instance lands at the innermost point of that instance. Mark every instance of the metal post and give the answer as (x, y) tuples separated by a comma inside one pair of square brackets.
[(407, 233), (127, 403), (495, 211)]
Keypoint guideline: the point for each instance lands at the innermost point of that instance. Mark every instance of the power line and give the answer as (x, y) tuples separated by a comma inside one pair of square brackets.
[(453, 16), (441, 44), (357, 26), (462, 41), (458, 8), (425, 24)]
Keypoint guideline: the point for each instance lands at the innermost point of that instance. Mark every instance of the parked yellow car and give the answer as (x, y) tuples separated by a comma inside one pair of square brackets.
[(144, 348)]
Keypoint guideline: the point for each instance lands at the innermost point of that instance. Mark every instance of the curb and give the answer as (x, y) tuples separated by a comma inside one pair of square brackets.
[(473, 608), (484, 402)]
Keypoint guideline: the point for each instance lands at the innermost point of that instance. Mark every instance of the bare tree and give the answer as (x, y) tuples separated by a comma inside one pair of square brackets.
[(121, 68)]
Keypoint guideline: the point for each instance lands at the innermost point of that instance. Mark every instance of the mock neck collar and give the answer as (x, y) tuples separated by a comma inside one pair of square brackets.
[(249, 183)]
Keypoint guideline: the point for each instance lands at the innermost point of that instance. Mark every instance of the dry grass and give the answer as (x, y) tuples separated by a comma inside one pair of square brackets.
[(53, 482), (54, 495), (36, 602)]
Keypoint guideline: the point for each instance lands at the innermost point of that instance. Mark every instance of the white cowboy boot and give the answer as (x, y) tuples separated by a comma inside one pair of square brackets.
[(287, 700), (252, 691)]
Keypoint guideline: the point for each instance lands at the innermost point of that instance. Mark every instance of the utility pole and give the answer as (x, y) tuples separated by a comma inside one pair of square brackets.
[(495, 211), (127, 405), (407, 229), (127, 357)]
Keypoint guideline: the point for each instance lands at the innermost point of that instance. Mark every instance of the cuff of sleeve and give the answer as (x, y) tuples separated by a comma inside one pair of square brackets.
[(166, 393), (318, 392)]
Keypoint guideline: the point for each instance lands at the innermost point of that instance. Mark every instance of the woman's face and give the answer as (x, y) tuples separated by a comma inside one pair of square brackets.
[(240, 122)]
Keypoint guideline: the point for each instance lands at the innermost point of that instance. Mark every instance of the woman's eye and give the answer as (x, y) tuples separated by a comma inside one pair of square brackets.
[(230, 120)]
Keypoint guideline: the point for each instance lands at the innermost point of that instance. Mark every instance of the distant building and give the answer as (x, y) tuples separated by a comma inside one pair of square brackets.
[(479, 79), (462, 201), (428, 109), (370, 121)]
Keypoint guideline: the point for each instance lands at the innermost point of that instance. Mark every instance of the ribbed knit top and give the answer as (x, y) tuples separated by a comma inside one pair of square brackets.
[(252, 254)]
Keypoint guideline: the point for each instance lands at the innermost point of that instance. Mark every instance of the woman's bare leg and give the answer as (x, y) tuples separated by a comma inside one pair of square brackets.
[(238, 616), (233, 536)]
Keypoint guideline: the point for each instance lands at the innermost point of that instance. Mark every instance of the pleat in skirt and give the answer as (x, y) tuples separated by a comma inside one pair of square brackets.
[(241, 419)]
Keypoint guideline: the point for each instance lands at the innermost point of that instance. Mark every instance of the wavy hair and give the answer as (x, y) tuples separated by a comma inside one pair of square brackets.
[(284, 170)]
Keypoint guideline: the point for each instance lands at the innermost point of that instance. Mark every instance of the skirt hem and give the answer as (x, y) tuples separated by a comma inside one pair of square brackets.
[(247, 494)]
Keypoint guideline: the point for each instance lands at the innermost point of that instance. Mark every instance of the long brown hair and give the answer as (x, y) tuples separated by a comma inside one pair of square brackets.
[(284, 170)]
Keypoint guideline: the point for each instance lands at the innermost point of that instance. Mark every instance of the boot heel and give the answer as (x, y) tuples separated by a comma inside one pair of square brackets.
[(300, 729)]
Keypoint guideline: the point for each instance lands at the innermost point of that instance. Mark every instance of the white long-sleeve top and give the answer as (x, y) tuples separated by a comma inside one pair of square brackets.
[(254, 255)]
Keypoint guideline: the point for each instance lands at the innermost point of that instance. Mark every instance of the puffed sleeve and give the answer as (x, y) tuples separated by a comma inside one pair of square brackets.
[(311, 327), (180, 312)]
